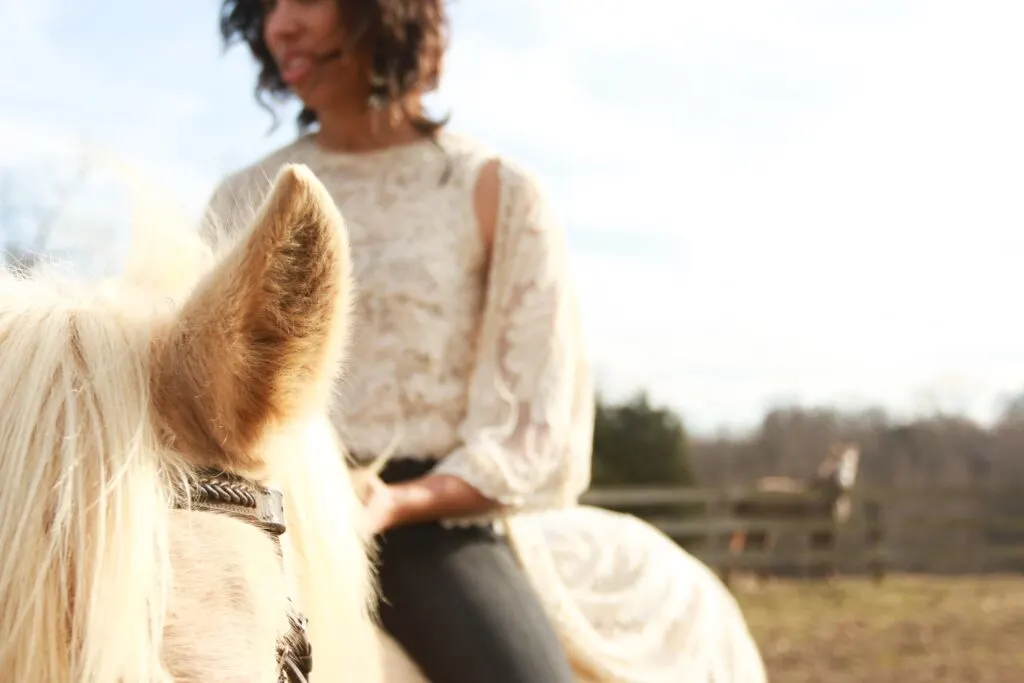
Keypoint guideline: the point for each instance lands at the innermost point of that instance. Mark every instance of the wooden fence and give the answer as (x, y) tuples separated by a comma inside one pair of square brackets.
[(926, 529)]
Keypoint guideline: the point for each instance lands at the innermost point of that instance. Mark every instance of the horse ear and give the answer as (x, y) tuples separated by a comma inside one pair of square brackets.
[(260, 339)]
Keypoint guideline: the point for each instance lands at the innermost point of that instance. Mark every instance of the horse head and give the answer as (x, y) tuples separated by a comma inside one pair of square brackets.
[(116, 398)]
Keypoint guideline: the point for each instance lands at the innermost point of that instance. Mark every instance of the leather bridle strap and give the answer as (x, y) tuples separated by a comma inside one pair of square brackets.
[(224, 492), (229, 494)]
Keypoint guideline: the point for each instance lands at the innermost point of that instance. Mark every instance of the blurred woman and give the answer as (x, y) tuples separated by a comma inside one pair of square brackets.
[(467, 361), (468, 364)]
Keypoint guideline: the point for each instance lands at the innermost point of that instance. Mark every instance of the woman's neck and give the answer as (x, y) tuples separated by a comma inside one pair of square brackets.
[(363, 129)]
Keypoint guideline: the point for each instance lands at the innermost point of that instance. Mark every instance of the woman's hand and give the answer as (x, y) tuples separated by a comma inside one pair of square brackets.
[(426, 499), (380, 508)]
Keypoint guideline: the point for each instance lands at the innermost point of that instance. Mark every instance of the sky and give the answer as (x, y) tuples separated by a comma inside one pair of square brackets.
[(767, 201)]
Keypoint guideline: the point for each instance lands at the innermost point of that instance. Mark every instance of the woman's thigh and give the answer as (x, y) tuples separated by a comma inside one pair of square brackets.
[(460, 606)]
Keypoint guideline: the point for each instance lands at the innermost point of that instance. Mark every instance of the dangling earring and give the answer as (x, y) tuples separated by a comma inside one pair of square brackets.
[(377, 100), (378, 91)]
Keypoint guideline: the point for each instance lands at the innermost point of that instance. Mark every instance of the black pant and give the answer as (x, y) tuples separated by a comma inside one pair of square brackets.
[(460, 606)]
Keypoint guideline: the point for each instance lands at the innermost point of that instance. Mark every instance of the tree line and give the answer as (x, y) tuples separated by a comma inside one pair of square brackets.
[(637, 443)]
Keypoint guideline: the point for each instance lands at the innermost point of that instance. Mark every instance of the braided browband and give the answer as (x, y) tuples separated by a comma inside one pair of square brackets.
[(230, 494), (220, 491)]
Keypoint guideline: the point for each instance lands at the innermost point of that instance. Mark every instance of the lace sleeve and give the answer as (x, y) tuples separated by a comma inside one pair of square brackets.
[(526, 438)]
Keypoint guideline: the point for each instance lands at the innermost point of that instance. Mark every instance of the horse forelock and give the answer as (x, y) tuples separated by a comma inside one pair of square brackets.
[(82, 508)]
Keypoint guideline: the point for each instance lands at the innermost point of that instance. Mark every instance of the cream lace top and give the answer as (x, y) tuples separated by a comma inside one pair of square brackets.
[(470, 358)]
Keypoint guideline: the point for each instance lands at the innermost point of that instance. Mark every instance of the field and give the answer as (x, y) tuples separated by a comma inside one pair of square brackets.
[(906, 629)]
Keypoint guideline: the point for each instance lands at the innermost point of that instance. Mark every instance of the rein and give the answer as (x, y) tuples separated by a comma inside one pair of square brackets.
[(262, 507)]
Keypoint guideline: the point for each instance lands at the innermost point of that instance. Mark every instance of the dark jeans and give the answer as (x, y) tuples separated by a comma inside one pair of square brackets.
[(460, 606)]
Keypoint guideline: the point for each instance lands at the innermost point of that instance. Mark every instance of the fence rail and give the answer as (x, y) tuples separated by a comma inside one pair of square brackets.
[(916, 528), (644, 496)]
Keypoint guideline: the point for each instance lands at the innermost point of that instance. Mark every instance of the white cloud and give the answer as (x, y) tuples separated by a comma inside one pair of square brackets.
[(25, 19)]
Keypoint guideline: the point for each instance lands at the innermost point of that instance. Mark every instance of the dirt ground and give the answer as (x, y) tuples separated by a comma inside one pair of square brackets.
[(907, 629)]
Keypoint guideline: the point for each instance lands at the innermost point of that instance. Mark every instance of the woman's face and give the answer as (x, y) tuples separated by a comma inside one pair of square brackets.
[(305, 38)]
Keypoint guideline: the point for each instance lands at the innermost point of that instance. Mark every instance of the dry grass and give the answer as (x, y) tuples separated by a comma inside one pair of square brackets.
[(906, 629)]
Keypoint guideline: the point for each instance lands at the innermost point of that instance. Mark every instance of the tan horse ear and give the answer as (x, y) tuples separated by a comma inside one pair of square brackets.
[(260, 339)]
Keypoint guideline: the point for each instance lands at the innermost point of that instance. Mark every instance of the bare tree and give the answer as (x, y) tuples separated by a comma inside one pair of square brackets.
[(28, 217)]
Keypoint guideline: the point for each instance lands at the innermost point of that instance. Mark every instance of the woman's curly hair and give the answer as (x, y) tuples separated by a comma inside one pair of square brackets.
[(405, 39)]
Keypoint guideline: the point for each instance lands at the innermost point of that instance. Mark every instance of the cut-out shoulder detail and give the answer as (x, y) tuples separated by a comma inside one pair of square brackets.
[(486, 196)]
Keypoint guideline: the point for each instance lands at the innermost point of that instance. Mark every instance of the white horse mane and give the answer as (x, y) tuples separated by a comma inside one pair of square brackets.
[(87, 571), (83, 514)]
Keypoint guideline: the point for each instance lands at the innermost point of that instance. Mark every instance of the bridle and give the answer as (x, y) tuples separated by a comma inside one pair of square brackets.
[(229, 494)]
